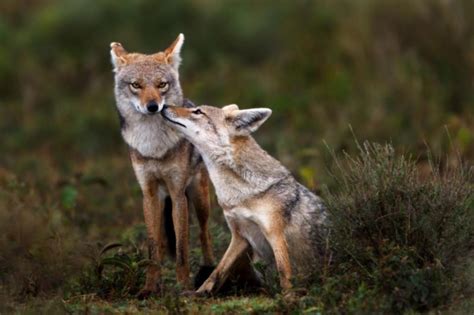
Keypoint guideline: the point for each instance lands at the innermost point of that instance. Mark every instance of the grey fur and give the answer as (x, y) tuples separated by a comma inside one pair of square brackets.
[(165, 163), (147, 133), (252, 187)]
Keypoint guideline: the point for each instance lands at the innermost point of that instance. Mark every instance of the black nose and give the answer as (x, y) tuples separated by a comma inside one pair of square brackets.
[(152, 107)]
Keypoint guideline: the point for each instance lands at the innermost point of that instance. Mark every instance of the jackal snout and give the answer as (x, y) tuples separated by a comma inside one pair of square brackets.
[(175, 111), (148, 98), (151, 100)]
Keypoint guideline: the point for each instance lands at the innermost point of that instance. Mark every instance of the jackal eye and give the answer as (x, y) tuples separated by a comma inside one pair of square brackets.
[(162, 84), (197, 112), (135, 85)]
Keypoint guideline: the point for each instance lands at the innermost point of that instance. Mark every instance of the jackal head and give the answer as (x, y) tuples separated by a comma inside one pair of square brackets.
[(211, 126), (147, 82)]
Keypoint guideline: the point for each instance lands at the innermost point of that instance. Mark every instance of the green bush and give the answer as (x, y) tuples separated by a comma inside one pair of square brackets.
[(117, 275), (397, 234)]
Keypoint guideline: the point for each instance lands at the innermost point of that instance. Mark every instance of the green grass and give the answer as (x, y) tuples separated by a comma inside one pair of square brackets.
[(401, 242), (90, 304)]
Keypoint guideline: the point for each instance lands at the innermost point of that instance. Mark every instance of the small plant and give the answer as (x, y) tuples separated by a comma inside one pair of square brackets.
[(114, 276), (395, 235)]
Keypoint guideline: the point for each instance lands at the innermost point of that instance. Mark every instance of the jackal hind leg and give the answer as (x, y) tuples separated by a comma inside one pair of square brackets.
[(199, 196), (238, 246)]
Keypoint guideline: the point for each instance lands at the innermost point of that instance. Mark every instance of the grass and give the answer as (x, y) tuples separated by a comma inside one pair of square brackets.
[(400, 236), (90, 304), (401, 242)]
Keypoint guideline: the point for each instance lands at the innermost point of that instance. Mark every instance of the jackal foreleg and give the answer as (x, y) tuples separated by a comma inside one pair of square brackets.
[(153, 213), (181, 228), (238, 246), (199, 195)]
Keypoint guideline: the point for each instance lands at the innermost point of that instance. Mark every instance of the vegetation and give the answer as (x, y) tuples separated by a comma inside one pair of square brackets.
[(396, 71), (397, 236)]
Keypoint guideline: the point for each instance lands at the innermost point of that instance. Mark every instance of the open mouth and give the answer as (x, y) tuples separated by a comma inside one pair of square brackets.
[(170, 120)]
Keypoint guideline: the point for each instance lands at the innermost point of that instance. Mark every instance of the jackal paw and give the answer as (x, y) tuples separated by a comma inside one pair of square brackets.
[(206, 289), (202, 293), (202, 275), (193, 294)]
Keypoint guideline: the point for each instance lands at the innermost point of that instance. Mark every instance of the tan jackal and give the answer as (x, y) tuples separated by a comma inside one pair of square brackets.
[(270, 214), (165, 163)]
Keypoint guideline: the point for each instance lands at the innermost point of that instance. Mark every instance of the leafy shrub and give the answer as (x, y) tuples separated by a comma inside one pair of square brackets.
[(117, 275), (397, 235)]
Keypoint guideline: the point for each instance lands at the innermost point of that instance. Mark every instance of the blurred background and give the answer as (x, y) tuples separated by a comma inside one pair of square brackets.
[(387, 71)]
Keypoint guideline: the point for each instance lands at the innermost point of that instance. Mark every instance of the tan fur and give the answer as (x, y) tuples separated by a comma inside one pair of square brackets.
[(269, 214), (165, 164), (148, 94)]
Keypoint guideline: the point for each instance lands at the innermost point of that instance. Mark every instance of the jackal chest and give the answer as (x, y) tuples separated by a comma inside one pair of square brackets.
[(151, 139)]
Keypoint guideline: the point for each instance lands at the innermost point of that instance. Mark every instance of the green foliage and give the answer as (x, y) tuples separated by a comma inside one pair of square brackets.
[(391, 67), (68, 197), (398, 235), (119, 275)]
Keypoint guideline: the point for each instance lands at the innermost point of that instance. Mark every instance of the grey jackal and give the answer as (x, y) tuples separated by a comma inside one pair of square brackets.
[(164, 162), (270, 214)]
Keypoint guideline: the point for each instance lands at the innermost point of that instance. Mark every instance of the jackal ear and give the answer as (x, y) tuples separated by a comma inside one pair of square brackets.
[(246, 121), (118, 53), (173, 53)]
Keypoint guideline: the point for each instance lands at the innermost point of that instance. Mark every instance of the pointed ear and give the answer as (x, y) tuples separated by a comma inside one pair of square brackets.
[(173, 53), (118, 54), (246, 121)]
